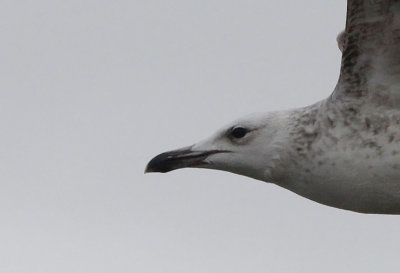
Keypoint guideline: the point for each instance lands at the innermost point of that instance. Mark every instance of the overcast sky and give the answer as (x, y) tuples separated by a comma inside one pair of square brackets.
[(92, 90)]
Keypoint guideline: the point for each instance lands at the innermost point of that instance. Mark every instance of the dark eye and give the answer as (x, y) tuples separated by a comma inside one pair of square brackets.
[(239, 132)]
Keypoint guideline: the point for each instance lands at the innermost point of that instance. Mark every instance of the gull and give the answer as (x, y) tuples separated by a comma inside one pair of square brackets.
[(343, 151)]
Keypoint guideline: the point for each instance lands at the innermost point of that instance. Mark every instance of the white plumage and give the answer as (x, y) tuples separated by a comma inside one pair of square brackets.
[(343, 151)]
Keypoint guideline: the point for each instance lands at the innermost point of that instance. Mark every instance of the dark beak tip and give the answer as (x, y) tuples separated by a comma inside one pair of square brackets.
[(150, 169), (178, 159), (157, 164)]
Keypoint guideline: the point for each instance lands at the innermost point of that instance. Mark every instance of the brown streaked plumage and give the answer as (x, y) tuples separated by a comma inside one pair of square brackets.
[(342, 151)]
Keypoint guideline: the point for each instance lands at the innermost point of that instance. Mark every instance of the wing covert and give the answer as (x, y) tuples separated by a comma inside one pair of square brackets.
[(370, 69)]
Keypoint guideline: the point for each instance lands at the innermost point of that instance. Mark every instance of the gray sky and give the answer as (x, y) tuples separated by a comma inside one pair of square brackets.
[(91, 90)]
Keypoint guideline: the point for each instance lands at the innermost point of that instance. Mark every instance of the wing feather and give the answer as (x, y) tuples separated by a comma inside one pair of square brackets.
[(370, 69)]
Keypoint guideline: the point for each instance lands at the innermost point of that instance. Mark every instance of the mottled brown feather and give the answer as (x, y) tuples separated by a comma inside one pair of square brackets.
[(371, 53)]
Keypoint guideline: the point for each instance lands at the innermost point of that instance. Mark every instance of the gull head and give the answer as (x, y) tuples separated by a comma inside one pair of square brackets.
[(250, 146)]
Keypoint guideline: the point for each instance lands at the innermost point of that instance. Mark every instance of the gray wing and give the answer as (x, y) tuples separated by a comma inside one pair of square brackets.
[(370, 70)]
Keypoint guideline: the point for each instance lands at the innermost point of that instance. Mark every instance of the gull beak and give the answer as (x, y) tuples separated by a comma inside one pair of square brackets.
[(177, 159)]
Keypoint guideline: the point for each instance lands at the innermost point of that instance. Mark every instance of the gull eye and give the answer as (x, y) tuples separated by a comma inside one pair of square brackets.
[(239, 132)]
